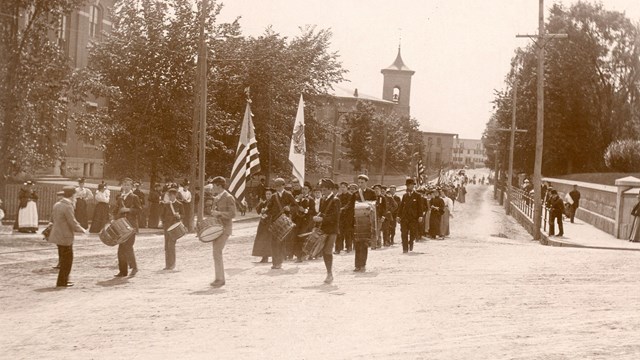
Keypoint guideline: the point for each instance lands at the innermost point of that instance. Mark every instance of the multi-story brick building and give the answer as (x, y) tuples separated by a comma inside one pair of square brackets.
[(436, 149), (75, 34)]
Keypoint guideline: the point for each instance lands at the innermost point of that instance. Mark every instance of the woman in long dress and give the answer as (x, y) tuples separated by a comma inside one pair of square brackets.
[(28, 212), (262, 242), (448, 208), (634, 236), (462, 194), (82, 196), (101, 212)]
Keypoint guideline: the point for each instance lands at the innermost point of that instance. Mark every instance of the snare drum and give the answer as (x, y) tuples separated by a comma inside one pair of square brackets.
[(315, 243), (117, 232), (176, 231), (209, 229), (281, 227), (365, 222)]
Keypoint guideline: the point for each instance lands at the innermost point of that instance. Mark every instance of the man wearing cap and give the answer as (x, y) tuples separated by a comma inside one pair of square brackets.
[(127, 206), (64, 224), (172, 212), (329, 219), (365, 193), (410, 216), (224, 208), (280, 203)]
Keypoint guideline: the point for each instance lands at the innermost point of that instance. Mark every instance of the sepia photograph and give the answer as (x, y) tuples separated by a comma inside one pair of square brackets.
[(337, 179)]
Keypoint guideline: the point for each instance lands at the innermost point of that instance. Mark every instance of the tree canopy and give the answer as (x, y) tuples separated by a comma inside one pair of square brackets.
[(591, 92)]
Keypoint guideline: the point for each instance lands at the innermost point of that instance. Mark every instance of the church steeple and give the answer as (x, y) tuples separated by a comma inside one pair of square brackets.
[(397, 84)]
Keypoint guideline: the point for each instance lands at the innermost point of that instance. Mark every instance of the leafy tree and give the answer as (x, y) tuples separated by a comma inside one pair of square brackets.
[(34, 74), (591, 92), (358, 135)]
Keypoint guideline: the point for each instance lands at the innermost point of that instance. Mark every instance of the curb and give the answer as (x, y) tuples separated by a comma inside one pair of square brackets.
[(553, 242)]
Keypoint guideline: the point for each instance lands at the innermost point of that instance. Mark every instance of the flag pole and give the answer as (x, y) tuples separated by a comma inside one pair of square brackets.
[(202, 59)]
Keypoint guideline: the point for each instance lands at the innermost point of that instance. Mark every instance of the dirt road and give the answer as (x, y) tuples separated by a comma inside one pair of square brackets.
[(488, 292)]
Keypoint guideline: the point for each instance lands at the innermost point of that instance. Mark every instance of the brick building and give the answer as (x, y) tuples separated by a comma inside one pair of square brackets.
[(437, 148), (469, 152)]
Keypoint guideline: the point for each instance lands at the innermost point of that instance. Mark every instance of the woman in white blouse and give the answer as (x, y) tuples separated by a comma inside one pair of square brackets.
[(101, 212)]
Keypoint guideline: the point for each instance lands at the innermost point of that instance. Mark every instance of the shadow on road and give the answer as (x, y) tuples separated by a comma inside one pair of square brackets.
[(210, 291), (274, 272), (113, 282)]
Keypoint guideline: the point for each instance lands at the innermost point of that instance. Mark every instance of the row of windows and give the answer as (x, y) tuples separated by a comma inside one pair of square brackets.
[(475, 152), (95, 22)]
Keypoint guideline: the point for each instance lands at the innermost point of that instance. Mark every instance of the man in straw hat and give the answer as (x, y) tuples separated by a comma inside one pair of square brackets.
[(127, 206), (224, 208), (64, 224)]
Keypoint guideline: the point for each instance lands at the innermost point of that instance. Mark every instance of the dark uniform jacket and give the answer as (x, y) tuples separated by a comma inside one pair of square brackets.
[(411, 207), (170, 217), (277, 202), (330, 213), (381, 206), (368, 194), (133, 203)]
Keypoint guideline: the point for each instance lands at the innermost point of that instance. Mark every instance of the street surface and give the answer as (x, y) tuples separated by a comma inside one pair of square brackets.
[(487, 292)]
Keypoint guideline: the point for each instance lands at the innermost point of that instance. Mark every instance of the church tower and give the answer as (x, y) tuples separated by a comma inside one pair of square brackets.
[(397, 85)]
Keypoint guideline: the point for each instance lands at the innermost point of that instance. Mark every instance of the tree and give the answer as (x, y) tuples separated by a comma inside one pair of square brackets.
[(358, 135), (591, 92), (34, 74)]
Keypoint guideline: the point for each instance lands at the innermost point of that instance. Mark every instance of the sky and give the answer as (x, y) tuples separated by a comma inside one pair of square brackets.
[(460, 50)]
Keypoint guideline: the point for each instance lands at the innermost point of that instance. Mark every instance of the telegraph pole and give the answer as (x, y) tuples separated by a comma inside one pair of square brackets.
[(201, 105), (513, 131), (540, 40)]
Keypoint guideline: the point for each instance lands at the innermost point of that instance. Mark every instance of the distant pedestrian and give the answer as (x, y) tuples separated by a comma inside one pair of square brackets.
[(575, 196), (64, 224), (556, 209), (28, 210), (83, 195), (634, 235)]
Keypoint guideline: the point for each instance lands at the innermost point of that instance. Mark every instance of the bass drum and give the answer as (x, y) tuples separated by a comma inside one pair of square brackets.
[(365, 222)]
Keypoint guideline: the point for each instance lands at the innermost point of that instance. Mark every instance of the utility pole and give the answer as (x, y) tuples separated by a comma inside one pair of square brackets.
[(513, 131), (201, 107), (540, 40)]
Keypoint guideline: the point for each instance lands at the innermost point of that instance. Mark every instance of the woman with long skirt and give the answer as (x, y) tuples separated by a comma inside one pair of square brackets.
[(101, 212), (448, 207), (262, 242), (82, 196), (28, 211)]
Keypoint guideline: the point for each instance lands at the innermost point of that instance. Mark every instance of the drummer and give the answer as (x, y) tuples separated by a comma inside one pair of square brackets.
[(172, 212), (224, 208), (127, 206), (363, 194), (329, 219)]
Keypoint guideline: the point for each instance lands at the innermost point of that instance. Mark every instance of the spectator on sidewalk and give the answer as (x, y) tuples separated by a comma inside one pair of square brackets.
[(575, 196), (556, 209)]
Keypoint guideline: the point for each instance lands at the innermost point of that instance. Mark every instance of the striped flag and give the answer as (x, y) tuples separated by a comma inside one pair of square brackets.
[(420, 171), (247, 157), (298, 148)]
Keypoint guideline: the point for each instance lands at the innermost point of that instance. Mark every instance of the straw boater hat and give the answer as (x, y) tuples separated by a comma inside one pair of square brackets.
[(363, 177)]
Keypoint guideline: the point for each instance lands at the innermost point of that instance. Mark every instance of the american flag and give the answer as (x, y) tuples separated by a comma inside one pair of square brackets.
[(247, 157), (419, 171)]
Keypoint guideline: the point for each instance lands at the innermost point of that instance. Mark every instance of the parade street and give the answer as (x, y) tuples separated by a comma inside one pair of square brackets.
[(487, 292)]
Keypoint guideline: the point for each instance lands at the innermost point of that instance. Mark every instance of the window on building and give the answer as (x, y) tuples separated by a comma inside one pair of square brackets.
[(91, 169), (95, 18), (85, 170), (439, 141), (396, 94), (438, 157), (63, 34)]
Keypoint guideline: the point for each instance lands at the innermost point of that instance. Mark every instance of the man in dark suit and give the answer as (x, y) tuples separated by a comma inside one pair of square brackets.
[(64, 224), (143, 213), (224, 208), (303, 218), (556, 209), (281, 203), (329, 219), (409, 216), (127, 206), (392, 228), (347, 213), (381, 215), (364, 192), (575, 196)]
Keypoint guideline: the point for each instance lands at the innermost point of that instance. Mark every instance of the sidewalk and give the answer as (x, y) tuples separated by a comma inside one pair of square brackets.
[(583, 235)]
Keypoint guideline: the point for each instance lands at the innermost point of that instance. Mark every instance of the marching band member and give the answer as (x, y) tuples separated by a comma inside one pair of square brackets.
[(344, 196), (172, 212), (329, 219), (303, 218), (410, 213), (142, 215), (262, 241), (280, 203), (82, 196), (381, 212), (394, 214), (127, 206), (224, 208), (101, 212), (362, 247)]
